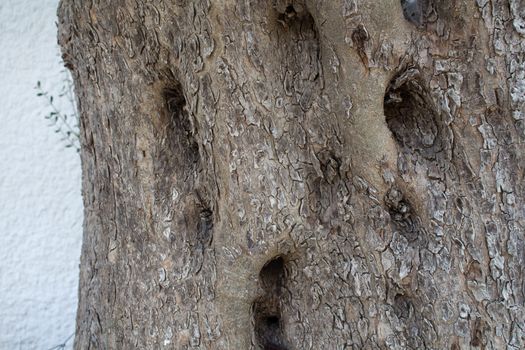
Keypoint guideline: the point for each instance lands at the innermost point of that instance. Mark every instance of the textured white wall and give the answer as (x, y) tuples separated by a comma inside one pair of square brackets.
[(40, 201)]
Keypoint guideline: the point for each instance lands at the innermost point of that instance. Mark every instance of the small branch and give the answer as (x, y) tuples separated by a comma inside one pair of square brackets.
[(64, 343), (59, 120)]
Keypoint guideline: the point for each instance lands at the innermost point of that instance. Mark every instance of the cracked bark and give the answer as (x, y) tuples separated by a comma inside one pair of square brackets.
[(299, 174)]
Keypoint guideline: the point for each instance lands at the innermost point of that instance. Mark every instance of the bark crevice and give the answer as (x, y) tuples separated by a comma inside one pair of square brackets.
[(411, 115), (414, 11), (268, 324)]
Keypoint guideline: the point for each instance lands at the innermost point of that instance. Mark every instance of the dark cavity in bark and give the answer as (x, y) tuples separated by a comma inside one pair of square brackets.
[(267, 309), (403, 307), (413, 10), (411, 115), (423, 139)]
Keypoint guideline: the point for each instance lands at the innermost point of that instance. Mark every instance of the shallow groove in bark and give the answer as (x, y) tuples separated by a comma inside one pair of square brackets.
[(178, 167), (205, 226), (298, 38), (176, 158), (267, 310), (179, 129), (401, 212)]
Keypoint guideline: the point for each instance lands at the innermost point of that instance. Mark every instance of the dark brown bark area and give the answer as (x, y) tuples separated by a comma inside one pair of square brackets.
[(300, 174)]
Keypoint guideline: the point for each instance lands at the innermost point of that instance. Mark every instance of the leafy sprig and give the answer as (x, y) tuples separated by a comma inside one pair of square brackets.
[(66, 125)]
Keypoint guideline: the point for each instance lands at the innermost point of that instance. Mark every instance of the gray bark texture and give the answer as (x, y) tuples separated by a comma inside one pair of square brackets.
[(300, 174)]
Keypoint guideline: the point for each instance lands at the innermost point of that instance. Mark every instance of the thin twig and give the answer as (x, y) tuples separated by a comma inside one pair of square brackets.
[(63, 345), (69, 133)]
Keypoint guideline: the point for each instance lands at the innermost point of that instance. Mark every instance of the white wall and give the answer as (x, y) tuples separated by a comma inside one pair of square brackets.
[(40, 202)]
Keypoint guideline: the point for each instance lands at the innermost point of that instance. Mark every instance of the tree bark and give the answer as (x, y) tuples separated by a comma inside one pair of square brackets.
[(300, 174)]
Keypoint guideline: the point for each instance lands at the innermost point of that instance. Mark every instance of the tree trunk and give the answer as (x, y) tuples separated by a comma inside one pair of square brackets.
[(300, 174)]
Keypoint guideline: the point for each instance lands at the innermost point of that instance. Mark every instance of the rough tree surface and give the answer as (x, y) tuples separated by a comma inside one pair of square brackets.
[(300, 174)]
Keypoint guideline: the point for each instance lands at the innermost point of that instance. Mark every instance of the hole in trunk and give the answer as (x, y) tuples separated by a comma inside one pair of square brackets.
[(267, 312), (290, 11), (402, 306), (414, 11), (411, 115), (423, 143)]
